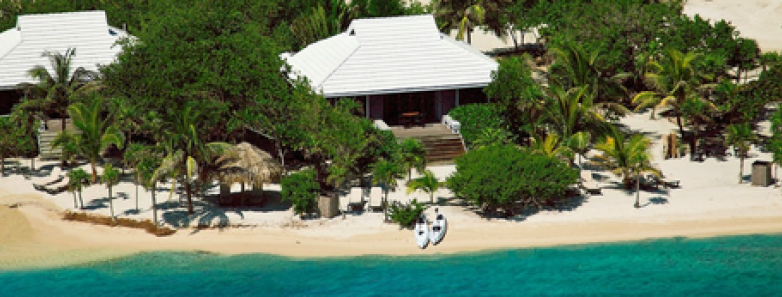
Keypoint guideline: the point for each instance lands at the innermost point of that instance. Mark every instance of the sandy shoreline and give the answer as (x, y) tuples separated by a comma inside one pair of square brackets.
[(33, 237)]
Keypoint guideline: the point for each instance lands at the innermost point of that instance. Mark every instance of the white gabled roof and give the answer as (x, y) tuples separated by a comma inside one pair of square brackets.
[(391, 55), (21, 48)]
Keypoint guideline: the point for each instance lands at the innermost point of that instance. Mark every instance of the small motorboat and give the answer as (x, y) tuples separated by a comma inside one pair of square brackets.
[(439, 227), (421, 232)]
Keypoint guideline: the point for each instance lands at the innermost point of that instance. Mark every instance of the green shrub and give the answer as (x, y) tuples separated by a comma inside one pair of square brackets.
[(475, 118), (510, 178), (302, 190), (405, 214)]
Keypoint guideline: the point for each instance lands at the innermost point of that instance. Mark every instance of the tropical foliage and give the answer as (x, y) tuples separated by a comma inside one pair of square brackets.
[(97, 132), (110, 178), (428, 183), (77, 180), (387, 173), (741, 137), (412, 154), (628, 158), (507, 178), (405, 214), (302, 191)]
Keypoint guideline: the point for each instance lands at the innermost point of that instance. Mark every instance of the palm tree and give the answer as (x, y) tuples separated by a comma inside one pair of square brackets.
[(741, 137), (697, 112), (673, 80), (57, 89), (321, 22), (387, 173), (97, 134), (573, 111), (575, 67), (427, 183), (465, 15), (148, 162), (579, 144), (69, 146), (462, 15), (551, 146), (627, 158), (132, 158), (110, 178), (186, 149), (77, 180), (412, 154)]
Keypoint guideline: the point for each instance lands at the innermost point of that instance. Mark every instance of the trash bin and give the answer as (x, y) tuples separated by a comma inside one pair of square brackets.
[(761, 173)]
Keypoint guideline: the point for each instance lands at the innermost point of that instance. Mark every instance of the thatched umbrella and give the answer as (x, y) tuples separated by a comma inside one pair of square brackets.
[(247, 164)]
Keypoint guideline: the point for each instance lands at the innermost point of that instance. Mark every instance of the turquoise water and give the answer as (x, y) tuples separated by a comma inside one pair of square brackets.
[(727, 266)]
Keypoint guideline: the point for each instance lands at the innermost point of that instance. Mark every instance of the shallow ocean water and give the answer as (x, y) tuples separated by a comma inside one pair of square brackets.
[(723, 266)]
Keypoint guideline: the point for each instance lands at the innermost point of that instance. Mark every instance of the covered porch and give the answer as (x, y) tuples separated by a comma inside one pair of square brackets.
[(416, 109)]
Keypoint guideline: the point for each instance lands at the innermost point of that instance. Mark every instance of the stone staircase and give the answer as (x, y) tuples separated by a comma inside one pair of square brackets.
[(45, 150), (442, 146)]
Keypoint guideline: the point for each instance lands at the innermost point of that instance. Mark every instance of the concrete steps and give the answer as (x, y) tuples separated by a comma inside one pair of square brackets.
[(441, 148)]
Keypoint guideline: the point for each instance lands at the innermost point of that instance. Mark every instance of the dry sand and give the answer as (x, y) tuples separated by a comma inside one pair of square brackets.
[(709, 203)]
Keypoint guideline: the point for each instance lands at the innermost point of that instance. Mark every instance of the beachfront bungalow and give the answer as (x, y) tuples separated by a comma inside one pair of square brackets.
[(21, 47), (400, 69)]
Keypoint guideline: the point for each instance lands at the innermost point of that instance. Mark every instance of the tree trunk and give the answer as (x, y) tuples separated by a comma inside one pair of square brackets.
[(75, 202), (385, 205), (111, 206), (469, 35), (32, 164), (741, 169), (776, 175), (638, 191), (81, 201), (62, 121), (2, 165), (154, 205), (679, 122), (136, 197), (188, 186), (431, 197), (94, 171), (282, 157), (693, 141)]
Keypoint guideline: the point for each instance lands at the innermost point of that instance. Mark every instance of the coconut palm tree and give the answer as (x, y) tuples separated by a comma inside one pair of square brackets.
[(579, 144), (149, 160), (673, 80), (428, 183), (77, 180), (412, 154), (387, 173), (627, 158), (465, 15), (110, 178), (575, 67), (186, 149), (551, 146), (573, 111), (96, 132), (741, 137), (56, 90), (69, 146)]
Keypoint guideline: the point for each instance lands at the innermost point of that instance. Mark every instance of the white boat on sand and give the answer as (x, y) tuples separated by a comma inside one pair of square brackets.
[(421, 232), (439, 227)]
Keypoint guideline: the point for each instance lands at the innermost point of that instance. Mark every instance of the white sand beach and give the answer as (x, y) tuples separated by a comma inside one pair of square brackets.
[(710, 202)]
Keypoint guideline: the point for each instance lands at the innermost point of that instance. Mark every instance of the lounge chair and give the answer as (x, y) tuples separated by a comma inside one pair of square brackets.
[(55, 188), (55, 176), (376, 202), (588, 184)]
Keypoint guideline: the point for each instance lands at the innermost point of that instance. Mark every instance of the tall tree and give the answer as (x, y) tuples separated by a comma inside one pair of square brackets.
[(465, 15), (741, 137), (575, 67), (77, 180), (696, 112), (97, 132), (110, 178), (627, 158), (674, 80), (56, 90), (573, 111), (387, 172), (188, 149), (412, 154)]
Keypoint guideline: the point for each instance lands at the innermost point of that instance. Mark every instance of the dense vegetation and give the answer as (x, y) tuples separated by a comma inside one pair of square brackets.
[(187, 86)]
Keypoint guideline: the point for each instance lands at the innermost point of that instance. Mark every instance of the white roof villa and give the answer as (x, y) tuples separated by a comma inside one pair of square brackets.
[(395, 66), (21, 47)]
